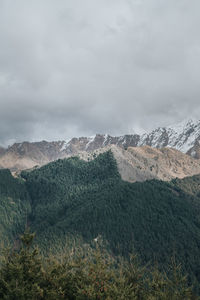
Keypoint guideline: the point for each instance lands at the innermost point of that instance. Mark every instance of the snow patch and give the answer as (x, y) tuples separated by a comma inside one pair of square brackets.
[(63, 147), (105, 139), (91, 139)]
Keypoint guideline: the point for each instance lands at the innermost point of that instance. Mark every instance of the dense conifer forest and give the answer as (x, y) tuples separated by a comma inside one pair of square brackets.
[(71, 202), (85, 274)]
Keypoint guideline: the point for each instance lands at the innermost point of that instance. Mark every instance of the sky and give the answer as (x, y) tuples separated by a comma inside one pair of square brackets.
[(76, 68)]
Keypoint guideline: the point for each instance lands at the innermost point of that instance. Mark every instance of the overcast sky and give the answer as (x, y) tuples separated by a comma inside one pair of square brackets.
[(76, 68)]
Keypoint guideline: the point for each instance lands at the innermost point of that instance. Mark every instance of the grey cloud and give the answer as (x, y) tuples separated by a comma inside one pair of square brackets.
[(69, 68)]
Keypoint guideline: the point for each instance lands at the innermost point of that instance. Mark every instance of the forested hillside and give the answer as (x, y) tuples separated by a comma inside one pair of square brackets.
[(85, 274), (14, 206), (155, 219)]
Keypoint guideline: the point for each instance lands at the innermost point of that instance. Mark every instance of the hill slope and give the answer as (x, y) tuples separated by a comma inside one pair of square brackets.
[(154, 218), (14, 206), (144, 163)]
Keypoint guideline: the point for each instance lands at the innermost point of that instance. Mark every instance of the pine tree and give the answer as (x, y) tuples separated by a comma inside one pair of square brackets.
[(21, 275)]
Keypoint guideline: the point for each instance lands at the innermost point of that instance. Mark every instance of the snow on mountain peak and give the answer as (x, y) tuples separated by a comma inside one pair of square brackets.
[(181, 136), (181, 126)]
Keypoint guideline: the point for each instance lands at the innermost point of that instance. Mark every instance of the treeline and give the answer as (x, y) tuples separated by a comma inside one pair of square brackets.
[(85, 275)]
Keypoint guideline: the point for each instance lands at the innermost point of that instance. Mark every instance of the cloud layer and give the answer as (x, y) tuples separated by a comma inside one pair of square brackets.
[(73, 68)]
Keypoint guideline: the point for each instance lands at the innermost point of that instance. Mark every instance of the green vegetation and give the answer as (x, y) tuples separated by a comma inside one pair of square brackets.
[(83, 200), (14, 206), (153, 218), (24, 275)]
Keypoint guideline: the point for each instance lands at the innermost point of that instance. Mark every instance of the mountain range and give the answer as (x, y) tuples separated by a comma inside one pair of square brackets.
[(164, 153), (125, 190)]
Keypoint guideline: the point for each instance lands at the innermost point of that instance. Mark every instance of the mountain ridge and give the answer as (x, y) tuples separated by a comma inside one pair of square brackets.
[(184, 137), (181, 136)]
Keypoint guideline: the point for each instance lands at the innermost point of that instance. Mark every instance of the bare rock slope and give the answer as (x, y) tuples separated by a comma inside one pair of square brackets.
[(143, 163), (27, 155)]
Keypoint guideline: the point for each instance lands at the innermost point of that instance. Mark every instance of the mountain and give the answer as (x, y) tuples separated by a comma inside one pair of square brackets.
[(2, 151), (144, 163), (27, 155), (155, 219), (134, 163), (183, 137)]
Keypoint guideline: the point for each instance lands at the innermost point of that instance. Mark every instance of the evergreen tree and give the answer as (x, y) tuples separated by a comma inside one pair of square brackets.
[(21, 275)]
